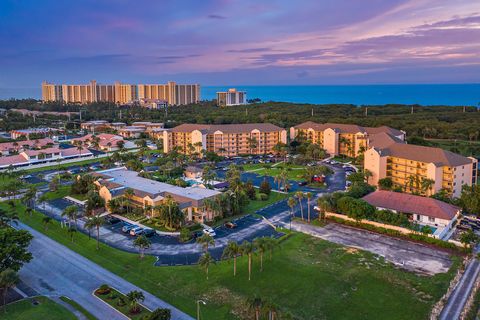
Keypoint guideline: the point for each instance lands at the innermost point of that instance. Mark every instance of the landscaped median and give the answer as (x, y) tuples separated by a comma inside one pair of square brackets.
[(128, 305)]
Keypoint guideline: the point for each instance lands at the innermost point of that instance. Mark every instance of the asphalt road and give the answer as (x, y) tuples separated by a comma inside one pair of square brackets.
[(58, 271), (457, 300)]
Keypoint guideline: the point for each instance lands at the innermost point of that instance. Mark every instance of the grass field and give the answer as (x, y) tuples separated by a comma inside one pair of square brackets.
[(79, 308), (63, 165), (61, 192), (307, 278), (294, 172), (46, 309), (255, 205)]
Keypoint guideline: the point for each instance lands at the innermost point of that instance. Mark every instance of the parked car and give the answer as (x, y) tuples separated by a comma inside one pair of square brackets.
[(209, 231), (147, 232), (136, 231), (230, 225), (112, 220), (127, 227)]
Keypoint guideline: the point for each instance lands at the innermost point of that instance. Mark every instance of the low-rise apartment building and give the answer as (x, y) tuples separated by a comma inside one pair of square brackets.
[(52, 154), (38, 132), (8, 148), (225, 139), (113, 183), (419, 169), (342, 139), (102, 141)]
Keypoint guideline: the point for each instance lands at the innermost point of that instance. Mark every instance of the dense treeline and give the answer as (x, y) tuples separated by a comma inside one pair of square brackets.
[(426, 122)]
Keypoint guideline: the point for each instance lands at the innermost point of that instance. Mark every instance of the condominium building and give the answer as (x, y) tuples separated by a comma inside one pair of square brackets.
[(419, 169), (225, 139), (232, 97), (121, 93), (113, 183), (343, 139)]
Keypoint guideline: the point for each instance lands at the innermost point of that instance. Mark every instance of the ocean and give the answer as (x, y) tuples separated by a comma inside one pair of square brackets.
[(423, 94)]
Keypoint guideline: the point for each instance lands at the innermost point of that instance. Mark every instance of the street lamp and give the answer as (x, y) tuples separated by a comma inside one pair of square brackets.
[(198, 308)]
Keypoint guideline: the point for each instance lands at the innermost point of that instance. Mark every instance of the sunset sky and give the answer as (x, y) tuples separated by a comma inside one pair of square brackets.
[(239, 42)]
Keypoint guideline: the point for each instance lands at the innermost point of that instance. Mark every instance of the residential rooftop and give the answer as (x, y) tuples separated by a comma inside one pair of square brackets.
[(227, 128), (413, 204)]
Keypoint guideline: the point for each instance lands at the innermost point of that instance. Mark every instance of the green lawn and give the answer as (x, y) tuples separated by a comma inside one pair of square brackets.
[(308, 278), (79, 308), (294, 172), (5, 180), (255, 205), (46, 309), (61, 192)]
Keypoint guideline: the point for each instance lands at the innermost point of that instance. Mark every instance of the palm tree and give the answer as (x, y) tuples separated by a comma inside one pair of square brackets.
[(129, 196), (252, 143), (299, 196), (95, 222), (255, 305), (7, 217), (71, 213), (142, 243), (30, 195), (46, 221), (291, 203), (71, 231), (270, 244), (309, 197), (135, 297), (426, 185), (8, 279), (206, 241), (281, 178), (205, 261), (248, 248), (367, 174), (232, 251), (271, 309), (261, 246)]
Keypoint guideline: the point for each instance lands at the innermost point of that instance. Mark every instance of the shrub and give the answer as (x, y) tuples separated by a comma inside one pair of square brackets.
[(185, 235), (265, 187), (121, 302), (160, 314), (263, 196), (113, 295), (104, 289)]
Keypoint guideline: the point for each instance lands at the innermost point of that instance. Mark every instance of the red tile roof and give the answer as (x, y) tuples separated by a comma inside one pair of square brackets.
[(409, 203), (227, 128)]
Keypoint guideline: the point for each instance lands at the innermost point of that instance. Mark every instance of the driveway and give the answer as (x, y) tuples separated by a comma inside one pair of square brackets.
[(408, 255), (56, 270)]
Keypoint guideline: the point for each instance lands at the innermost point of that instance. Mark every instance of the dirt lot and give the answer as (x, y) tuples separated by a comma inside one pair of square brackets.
[(405, 254)]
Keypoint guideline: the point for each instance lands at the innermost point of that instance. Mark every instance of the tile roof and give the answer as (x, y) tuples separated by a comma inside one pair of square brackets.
[(409, 203), (6, 146), (436, 156), (227, 128), (347, 128)]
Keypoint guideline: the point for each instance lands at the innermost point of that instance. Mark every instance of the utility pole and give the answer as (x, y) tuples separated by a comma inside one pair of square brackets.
[(464, 109), (366, 112), (312, 112), (246, 112), (411, 112)]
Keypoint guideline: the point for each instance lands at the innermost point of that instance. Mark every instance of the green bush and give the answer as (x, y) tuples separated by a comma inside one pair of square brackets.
[(263, 196), (185, 235), (104, 289), (121, 302)]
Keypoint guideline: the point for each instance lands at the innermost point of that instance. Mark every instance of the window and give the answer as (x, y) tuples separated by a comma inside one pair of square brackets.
[(431, 219)]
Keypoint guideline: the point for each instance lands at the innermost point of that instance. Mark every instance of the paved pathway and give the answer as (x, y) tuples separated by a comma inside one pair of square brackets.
[(58, 271), (457, 300)]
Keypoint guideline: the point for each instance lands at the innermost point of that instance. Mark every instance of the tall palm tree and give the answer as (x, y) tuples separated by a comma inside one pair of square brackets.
[(129, 196), (135, 297), (299, 195), (270, 244), (7, 217), (205, 261), (426, 185), (232, 251), (71, 231), (255, 305), (142, 243), (261, 247), (8, 279), (71, 213), (95, 222), (30, 195), (308, 195), (248, 249), (46, 221), (281, 178), (206, 241), (291, 203), (367, 174)]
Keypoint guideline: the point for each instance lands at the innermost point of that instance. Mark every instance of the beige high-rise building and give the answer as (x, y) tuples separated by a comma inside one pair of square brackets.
[(224, 139), (419, 169), (232, 97), (342, 139), (173, 93)]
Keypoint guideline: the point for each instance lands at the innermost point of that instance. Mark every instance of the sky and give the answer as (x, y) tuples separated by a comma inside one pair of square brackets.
[(244, 42)]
